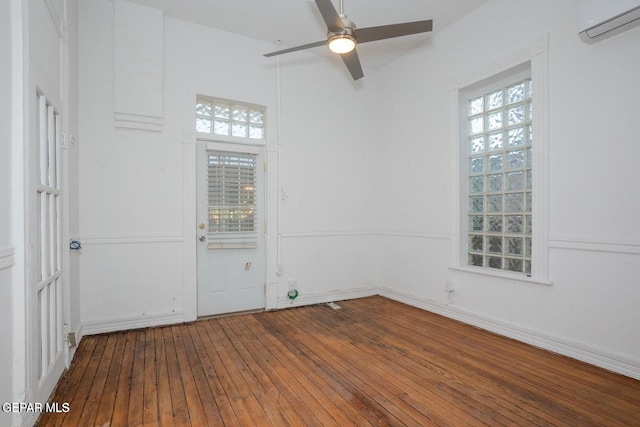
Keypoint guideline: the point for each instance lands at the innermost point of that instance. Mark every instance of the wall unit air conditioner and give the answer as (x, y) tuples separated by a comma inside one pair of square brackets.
[(600, 19)]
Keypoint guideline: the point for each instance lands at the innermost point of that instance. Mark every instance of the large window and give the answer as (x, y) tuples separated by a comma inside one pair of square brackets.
[(230, 118), (498, 146), (501, 176)]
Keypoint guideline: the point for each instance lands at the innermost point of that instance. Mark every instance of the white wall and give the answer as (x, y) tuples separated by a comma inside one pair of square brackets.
[(6, 241), (329, 207), (131, 182), (594, 233), (366, 169)]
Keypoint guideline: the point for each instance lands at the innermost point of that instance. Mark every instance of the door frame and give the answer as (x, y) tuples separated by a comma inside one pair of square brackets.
[(272, 154), (38, 84), (259, 150)]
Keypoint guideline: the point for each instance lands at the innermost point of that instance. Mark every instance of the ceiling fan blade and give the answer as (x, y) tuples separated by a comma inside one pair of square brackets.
[(330, 16), (293, 49), (352, 62), (370, 34)]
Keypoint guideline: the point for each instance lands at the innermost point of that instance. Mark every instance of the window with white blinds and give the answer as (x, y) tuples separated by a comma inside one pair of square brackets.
[(232, 198)]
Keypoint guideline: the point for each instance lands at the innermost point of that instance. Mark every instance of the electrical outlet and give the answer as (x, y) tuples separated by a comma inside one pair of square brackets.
[(450, 286), (292, 283)]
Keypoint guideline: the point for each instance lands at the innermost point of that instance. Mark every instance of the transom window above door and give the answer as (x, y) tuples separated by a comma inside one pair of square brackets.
[(228, 118)]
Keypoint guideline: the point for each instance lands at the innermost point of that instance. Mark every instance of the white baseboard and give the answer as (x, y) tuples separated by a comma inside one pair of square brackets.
[(602, 359), (131, 322), (327, 297)]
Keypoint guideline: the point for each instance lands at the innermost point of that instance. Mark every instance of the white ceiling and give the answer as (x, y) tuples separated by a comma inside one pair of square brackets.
[(297, 22)]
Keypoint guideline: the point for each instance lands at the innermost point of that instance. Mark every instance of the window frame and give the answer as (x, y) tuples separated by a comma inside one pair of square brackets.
[(536, 60), (211, 136)]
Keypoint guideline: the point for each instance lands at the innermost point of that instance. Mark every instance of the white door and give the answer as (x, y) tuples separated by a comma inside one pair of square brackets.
[(231, 228), (46, 318)]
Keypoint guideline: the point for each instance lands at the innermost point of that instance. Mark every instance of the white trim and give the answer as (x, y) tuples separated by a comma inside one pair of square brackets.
[(129, 239), (226, 139), (234, 148), (502, 274), (332, 296), (138, 121), (190, 267), (131, 322), (610, 361), (327, 233), (417, 234), (7, 257), (631, 247), (59, 21)]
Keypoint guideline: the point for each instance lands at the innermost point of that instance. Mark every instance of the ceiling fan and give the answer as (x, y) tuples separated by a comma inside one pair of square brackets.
[(343, 36)]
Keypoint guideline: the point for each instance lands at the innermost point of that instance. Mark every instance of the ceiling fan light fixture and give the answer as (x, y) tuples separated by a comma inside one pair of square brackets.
[(342, 43)]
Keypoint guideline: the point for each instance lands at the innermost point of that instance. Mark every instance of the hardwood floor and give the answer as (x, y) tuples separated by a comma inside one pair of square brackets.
[(373, 362)]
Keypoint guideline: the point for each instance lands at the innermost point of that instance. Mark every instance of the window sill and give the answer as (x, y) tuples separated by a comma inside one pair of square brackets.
[(502, 275)]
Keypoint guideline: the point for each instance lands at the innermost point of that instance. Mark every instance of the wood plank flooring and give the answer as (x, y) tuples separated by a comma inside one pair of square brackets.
[(373, 362)]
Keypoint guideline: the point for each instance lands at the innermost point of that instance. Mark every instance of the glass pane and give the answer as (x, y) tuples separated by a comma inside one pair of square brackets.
[(221, 127), (239, 129), (256, 132), (476, 165), (476, 184), (494, 203), (494, 100), (495, 120), (516, 93), (515, 181), (495, 163), (476, 106), (256, 116), (476, 243), (476, 223), (496, 141), (477, 145), (529, 225), (476, 204), (221, 110), (530, 133), (513, 264), (240, 113), (494, 262), (203, 125), (515, 223), (515, 137), (476, 125), (516, 159), (514, 202), (528, 202), (476, 260), (203, 108), (516, 115), (495, 224), (527, 247), (494, 183), (495, 245), (514, 245), (529, 157), (529, 86), (527, 267), (529, 180)]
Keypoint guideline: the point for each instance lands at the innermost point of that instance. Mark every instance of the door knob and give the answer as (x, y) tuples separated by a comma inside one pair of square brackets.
[(202, 238), (201, 226)]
